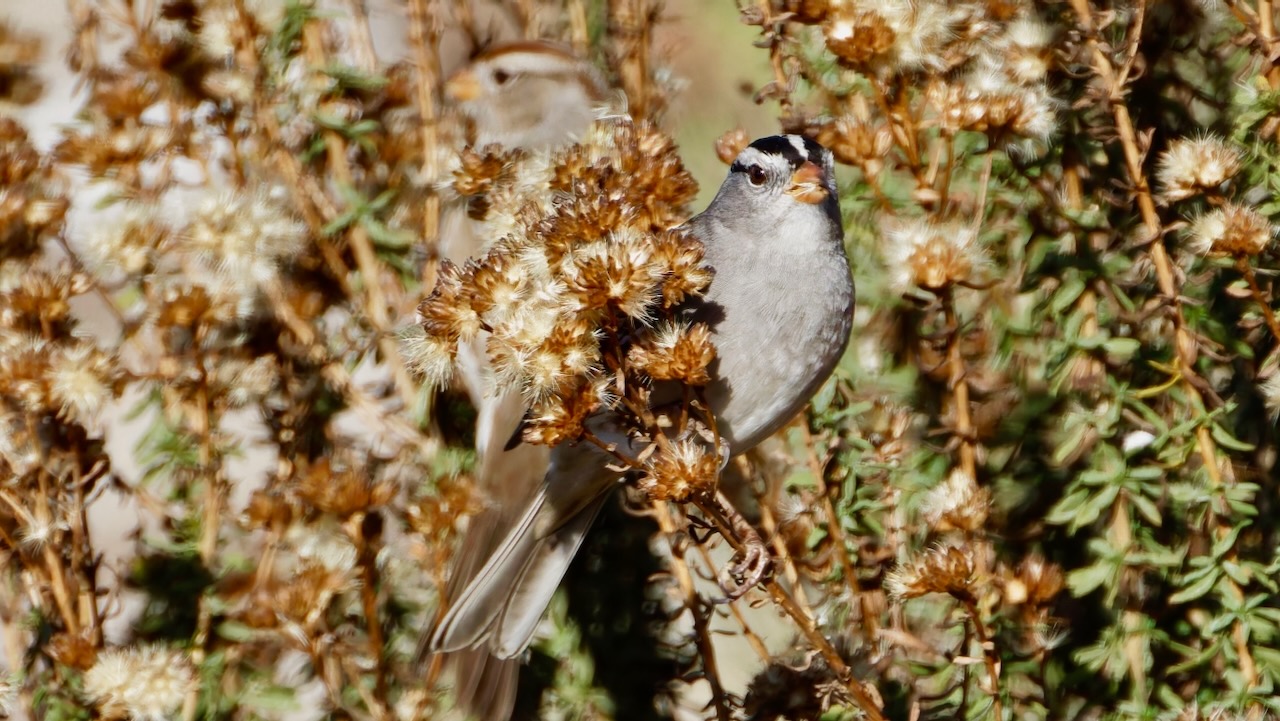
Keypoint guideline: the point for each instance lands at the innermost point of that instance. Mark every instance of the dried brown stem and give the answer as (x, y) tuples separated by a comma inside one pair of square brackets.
[(630, 34), (367, 559), (836, 530), (990, 657), (959, 385), (424, 40), (718, 511), (756, 643), (697, 610), (1242, 264), (781, 554)]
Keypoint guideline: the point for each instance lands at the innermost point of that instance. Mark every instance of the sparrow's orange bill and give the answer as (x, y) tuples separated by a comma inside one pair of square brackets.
[(463, 86), (806, 184)]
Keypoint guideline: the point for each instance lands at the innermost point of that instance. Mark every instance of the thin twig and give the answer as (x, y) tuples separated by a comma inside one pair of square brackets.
[(1242, 264), (716, 510), (698, 610)]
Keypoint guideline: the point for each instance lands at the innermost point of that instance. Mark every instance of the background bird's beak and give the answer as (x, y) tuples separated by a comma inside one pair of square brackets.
[(463, 86), (806, 184)]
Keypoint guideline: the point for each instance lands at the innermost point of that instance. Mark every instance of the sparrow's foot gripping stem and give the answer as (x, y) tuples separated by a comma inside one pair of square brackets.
[(749, 567), (751, 563)]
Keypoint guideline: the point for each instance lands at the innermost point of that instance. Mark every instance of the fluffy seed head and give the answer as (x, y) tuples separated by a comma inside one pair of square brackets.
[(941, 569), (957, 503), (676, 352), (1036, 583), (1193, 165), (1231, 229), (931, 255), (145, 684), (679, 471), (245, 236), (81, 381)]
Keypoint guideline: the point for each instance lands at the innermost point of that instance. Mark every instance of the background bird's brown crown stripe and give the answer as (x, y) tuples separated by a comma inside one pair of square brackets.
[(524, 46)]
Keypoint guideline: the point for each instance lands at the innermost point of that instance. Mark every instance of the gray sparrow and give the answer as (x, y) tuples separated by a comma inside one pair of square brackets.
[(779, 309)]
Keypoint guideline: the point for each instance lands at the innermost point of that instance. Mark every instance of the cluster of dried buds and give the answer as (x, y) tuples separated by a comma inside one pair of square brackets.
[(982, 68), (1205, 167), (577, 299)]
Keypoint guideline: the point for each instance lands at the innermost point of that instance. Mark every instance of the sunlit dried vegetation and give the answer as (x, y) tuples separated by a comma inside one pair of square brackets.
[(1040, 486)]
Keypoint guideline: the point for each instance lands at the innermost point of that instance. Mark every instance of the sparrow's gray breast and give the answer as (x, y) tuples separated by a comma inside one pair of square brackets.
[(780, 308)]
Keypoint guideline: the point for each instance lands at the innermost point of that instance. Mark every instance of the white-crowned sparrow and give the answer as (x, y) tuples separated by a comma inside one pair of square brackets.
[(524, 95), (780, 309)]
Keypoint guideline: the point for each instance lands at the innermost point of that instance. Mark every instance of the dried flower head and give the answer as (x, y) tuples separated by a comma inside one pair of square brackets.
[(941, 569), (19, 159), (1234, 230), (129, 239), (597, 265), (680, 470), (989, 101), (857, 142), (675, 351), (562, 417), (145, 684), (307, 595), (343, 490), (427, 356), (957, 503), (246, 382), (19, 53), (82, 379), (1191, 166), (24, 379), (731, 143), (1036, 583), (245, 236), (857, 37), (41, 303), (931, 255)]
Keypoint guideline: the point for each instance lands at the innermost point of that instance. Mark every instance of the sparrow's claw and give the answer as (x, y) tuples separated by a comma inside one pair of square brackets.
[(747, 569)]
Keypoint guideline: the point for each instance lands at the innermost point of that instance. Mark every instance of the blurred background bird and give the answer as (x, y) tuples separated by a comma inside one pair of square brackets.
[(528, 96)]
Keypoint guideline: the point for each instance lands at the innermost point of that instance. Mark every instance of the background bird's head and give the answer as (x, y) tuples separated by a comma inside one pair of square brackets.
[(526, 95)]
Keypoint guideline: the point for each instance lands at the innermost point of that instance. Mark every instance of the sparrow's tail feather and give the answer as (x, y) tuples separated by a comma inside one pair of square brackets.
[(532, 592), (473, 612), (483, 685), (506, 598)]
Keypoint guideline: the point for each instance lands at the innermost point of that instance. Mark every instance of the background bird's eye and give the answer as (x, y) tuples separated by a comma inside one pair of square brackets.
[(756, 175), (501, 77)]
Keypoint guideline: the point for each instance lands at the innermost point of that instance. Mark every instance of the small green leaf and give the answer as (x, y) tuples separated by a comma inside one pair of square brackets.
[(1228, 441), (1197, 589), (1066, 295), (1083, 581)]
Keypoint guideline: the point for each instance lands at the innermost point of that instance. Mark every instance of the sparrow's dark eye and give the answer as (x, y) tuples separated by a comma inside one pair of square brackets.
[(501, 77), (756, 175)]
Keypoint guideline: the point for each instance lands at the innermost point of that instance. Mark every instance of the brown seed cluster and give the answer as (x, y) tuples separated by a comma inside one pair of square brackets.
[(680, 470), (930, 255), (1233, 230), (675, 352), (941, 569), (570, 296), (19, 53)]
